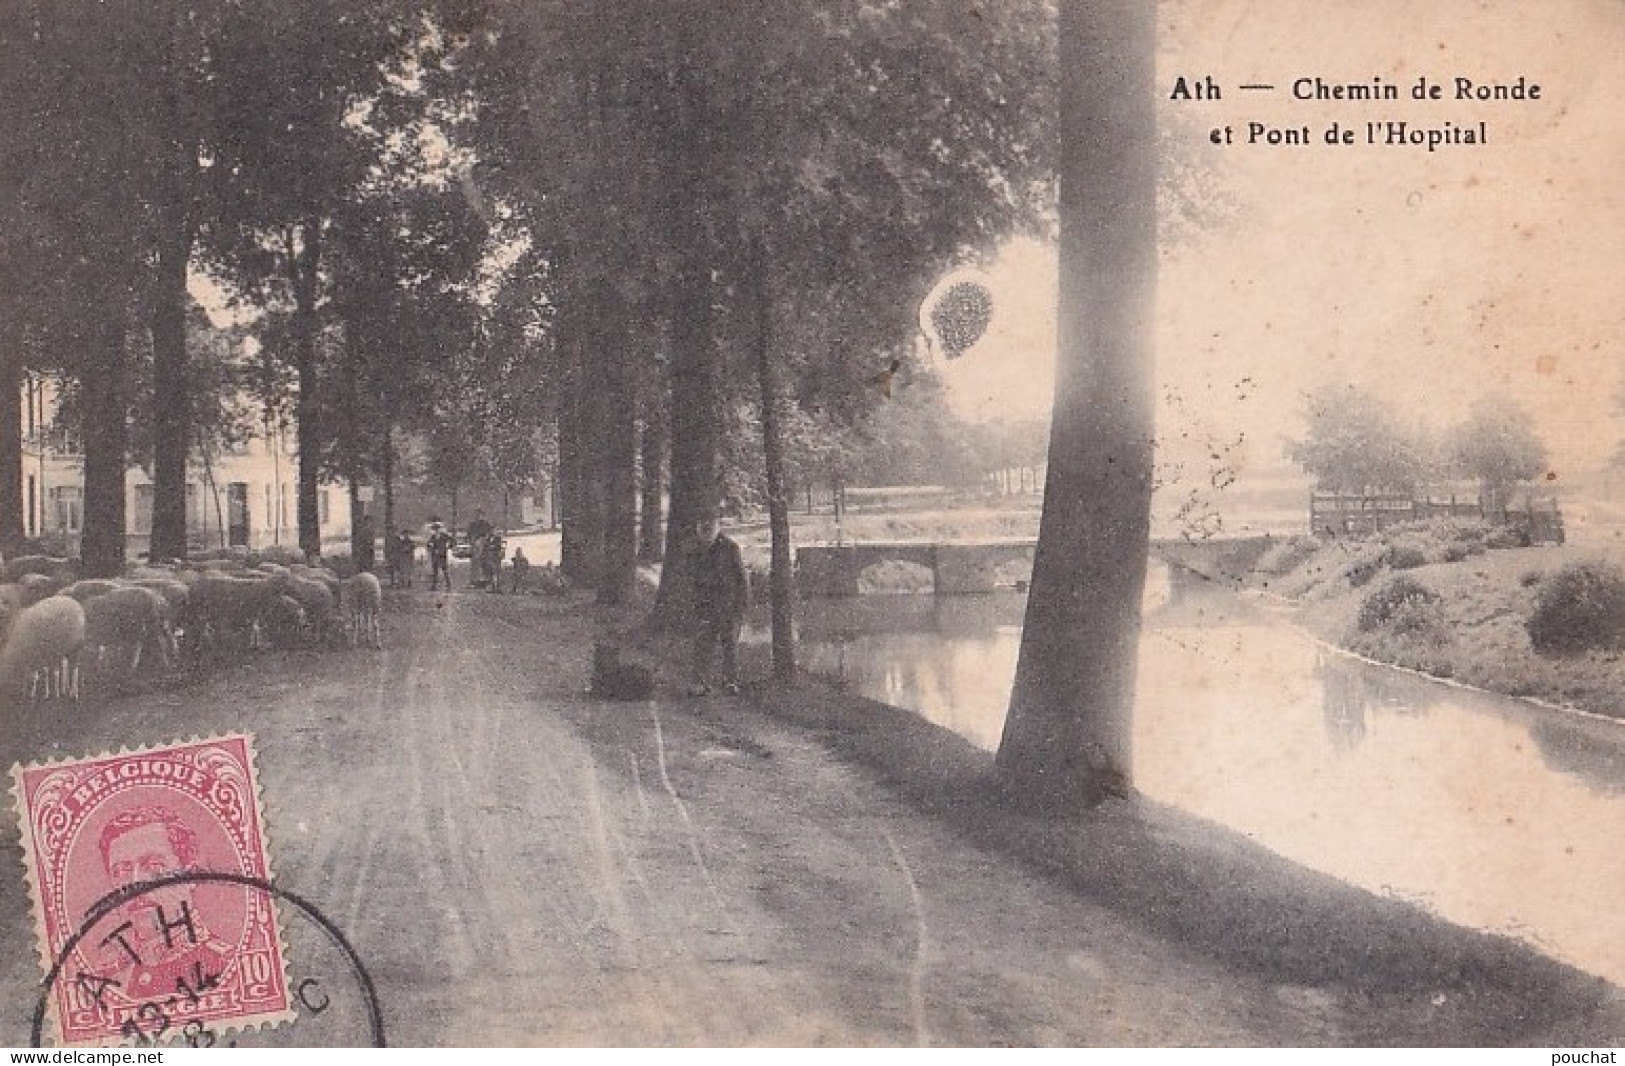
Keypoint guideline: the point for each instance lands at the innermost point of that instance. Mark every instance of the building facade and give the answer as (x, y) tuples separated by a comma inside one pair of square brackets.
[(245, 496)]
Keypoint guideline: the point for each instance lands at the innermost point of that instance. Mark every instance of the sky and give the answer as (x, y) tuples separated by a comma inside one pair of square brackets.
[(1431, 278)]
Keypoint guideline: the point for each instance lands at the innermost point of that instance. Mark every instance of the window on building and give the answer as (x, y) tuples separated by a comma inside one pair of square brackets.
[(68, 505), (321, 507)]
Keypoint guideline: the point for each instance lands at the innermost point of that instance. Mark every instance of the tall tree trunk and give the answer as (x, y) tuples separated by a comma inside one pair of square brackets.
[(581, 547), (388, 476), (694, 436), (11, 432), (1067, 736), (305, 260), (567, 485), (105, 431), (172, 397), (618, 447), (781, 579), (651, 483), (620, 451), (348, 433), (694, 431)]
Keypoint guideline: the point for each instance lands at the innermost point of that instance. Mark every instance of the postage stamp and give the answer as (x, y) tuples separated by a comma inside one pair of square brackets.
[(142, 929)]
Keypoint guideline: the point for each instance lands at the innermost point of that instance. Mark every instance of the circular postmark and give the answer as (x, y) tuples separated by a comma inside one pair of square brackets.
[(164, 986)]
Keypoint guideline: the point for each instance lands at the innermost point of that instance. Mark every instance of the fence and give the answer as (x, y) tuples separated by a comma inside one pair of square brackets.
[(1338, 514)]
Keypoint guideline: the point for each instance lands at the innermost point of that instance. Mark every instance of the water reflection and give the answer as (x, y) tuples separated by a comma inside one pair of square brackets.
[(1352, 690), (1496, 815), (1344, 700)]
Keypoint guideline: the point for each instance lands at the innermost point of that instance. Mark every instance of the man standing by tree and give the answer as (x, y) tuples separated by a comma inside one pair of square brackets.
[(721, 594)]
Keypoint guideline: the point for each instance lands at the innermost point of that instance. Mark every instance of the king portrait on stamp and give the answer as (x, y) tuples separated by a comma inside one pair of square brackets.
[(130, 859)]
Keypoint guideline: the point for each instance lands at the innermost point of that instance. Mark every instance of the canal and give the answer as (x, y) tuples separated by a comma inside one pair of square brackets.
[(1492, 813)]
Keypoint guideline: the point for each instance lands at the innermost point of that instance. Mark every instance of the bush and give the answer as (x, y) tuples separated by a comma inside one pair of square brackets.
[(1360, 572), (1401, 602), (1474, 532), (1405, 557), (1456, 552), (1579, 608)]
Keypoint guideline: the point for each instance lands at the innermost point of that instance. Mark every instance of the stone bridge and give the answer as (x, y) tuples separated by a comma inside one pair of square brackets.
[(971, 567)]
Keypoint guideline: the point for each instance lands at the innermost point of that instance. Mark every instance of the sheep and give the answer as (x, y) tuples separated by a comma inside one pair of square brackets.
[(283, 620), (123, 622), (224, 607), (317, 601), (11, 605), (36, 587), (361, 599), (41, 649), (176, 597), (282, 555), (318, 573), (89, 588), (47, 565), (11, 602)]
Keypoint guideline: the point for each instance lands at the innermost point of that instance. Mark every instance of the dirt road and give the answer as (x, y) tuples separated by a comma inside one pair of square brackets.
[(517, 864)]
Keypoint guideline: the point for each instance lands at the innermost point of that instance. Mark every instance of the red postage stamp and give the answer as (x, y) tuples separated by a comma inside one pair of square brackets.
[(142, 868)]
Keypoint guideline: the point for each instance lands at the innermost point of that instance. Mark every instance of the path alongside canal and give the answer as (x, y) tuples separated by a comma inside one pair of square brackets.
[(517, 864)]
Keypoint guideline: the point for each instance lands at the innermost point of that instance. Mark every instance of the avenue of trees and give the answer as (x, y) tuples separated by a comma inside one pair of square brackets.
[(1354, 444), (466, 234), (454, 223)]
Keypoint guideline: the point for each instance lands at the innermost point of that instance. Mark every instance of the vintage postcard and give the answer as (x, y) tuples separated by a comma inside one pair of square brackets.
[(852, 523)]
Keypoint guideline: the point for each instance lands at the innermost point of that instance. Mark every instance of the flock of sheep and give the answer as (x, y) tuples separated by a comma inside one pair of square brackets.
[(56, 628)]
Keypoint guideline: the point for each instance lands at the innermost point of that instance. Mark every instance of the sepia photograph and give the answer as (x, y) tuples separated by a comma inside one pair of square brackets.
[(835, 524)]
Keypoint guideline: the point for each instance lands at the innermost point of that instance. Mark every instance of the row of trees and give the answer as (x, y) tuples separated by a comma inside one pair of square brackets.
[(1354, 443), (462, 222), (466, 219), (280, 152)]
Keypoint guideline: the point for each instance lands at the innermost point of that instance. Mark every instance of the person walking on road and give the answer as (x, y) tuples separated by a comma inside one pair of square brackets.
[(491, 561), (721, 595), (478, 531), (439, 546), (521, 570), (405, 553)]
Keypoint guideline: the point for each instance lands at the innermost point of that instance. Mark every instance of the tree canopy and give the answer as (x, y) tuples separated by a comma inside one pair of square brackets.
[(1498, 446), (1354, 443)]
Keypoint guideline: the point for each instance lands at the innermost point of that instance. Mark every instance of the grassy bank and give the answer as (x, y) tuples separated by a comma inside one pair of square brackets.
[(1439, 599)]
